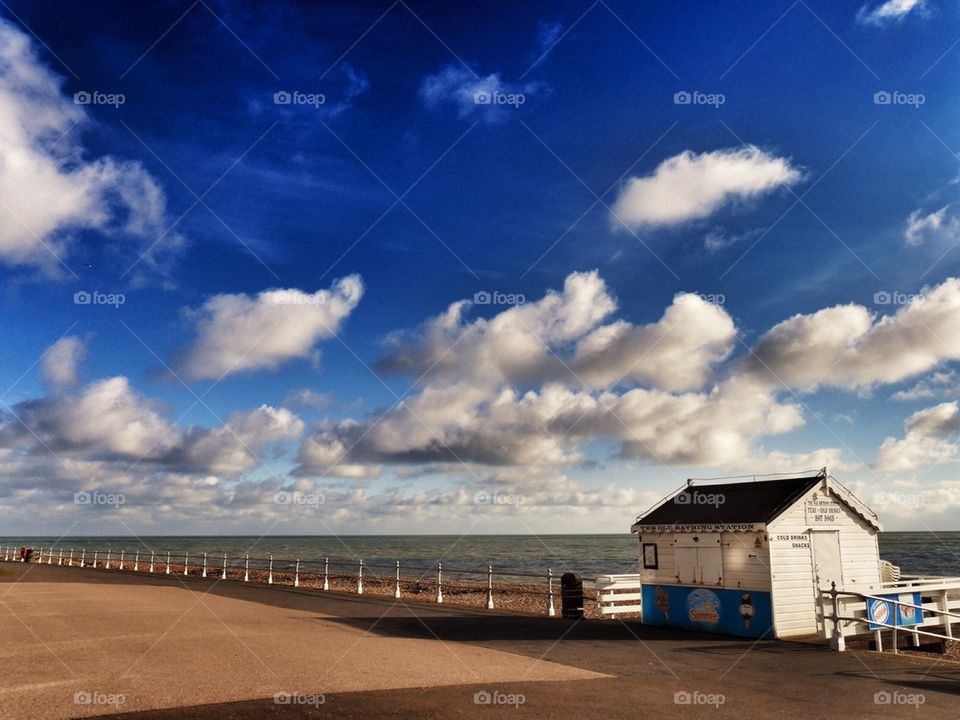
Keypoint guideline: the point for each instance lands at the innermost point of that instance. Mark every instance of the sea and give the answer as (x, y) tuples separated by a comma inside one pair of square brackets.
[(511, 556)]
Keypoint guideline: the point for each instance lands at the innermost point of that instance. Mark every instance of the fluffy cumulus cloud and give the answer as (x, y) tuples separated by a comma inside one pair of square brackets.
[(49, 191), (59, 365), (237, 333), (488, 98), (848, 346), (890, 11), (930, 439), (692, 186)]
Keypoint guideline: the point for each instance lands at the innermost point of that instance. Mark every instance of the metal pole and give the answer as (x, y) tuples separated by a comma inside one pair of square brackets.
[(489, 587), (186, 562), (107, 564), (40, 555), (95, 553), (122, 551), (837, 641), (360, 579), (152, 553), (70, 563), (136, 560), (326, 573), (224, 576), (396, 592), (83, 556), (439, 582), (270, 573), (296, 574), (550, 610), (168, 562), (50, 557), (60, 558), (204, 565), (246, 568)]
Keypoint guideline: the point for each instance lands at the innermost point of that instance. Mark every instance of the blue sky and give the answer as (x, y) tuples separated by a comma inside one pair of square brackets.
[(700, 279)]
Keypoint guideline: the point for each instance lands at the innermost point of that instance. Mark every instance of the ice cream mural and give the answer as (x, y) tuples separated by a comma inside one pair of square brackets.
[(746, 610), (731, 612), (663, 602)]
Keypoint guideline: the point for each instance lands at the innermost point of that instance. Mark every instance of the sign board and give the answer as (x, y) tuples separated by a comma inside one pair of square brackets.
[(890, 614), (822, 511), (727, 611)]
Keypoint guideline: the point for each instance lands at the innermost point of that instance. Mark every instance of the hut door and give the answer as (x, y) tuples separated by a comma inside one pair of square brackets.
[(827, 565)]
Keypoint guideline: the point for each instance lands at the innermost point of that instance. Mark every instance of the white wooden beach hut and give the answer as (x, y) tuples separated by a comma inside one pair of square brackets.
[(750, 558)]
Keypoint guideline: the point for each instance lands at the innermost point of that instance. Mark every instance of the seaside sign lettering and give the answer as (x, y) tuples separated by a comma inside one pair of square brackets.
[(822, 511), (701, 527)]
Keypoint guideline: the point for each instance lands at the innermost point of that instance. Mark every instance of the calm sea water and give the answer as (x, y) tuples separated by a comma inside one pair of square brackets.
[(588, 555)]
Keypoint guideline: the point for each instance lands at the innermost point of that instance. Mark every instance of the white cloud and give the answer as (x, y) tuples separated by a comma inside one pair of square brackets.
[(942, 225), (237, 333), (305, 397), (48, 189), (890, 11), (930, 439), (489, 98), (848, 346), (938, 384), (59, 365), (691, 186)]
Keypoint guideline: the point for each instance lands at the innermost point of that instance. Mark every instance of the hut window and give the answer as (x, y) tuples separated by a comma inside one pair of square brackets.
[(650, 560)]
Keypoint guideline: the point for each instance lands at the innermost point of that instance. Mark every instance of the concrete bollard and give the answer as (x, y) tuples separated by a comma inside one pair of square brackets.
[(270, 572), (224, 576), (396, 591), (360, 579), (296, 574), (246, 568), (489, 587), (550, 609), (326, 573), (204, 565), (439, 582)]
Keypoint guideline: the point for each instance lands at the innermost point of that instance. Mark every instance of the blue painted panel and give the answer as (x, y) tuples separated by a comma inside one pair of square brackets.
[(891, 614), (720, 610)]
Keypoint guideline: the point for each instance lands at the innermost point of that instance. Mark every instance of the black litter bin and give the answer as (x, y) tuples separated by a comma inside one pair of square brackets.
[(571, 595)]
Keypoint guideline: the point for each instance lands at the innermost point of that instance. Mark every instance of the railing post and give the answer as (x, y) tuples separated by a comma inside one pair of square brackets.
[(83, 556), (944, 604), (136, 560), (439, 582), (40, 555), (204, 565), (296, 574), (551, 612), (838, 643), (224, 575), (122, 551), (326, 573), (168, 562), (186, 562), (246, 567), (360, 579), (489, 587), (60, 558), (152, 552), (106, 565), (396, 590), (270, 573), (50, 557), (95, 554), (70, 563)]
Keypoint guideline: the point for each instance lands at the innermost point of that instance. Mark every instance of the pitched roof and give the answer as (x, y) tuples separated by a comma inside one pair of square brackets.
[(742, 502)]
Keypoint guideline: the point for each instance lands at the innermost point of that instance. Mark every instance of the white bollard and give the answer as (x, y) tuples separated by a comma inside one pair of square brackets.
[(186, 563), (296, 574), (122, 551), (224, 576), (396, 591), (270, 573), (83, 556), (95, 554), (136, 560), (550, 610), (151, 561), (60, 558), (204, 565), (246, 568), (107, 566), (40, 556), (439, 582), (489, 587), (168, 562), (360, 579), (326, 573), (50, 557), (70, 562)]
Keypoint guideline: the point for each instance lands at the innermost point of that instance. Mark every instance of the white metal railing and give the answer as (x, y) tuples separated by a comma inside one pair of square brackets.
[(939, 609), (216, 565), (619, 594)]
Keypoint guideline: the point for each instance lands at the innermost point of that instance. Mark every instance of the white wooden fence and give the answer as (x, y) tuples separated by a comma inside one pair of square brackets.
[(619, 594)]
